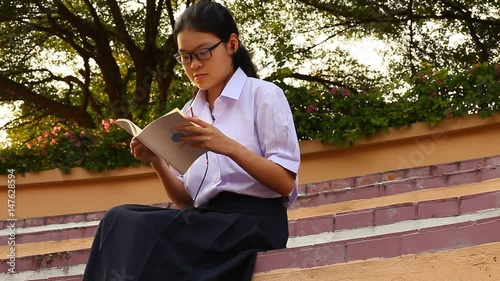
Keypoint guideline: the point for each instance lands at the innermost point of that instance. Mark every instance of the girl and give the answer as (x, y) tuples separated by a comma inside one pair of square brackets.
[(233, 199)]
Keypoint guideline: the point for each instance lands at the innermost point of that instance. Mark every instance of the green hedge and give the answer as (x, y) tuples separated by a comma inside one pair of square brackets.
[(338, 116)]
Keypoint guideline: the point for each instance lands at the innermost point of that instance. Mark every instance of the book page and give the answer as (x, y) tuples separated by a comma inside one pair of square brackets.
[(163, 139), (129, 126)]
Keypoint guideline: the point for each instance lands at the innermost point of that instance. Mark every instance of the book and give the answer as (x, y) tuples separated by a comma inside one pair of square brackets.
[(161, 137)]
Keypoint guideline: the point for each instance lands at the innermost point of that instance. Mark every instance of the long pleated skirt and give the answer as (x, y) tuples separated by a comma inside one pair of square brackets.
[(218, 241)]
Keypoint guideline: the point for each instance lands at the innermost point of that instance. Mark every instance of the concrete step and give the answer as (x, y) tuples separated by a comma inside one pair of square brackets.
[(398, 182), (411, 213), (433, 203), (391, 240), (387, 241), (344, 190), (348, 189), (476, 263), (333, 222)]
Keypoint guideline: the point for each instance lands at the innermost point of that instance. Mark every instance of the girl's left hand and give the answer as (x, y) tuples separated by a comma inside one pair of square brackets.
[(205, 135)]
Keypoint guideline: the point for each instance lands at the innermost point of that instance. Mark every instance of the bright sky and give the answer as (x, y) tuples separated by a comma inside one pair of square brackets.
[(366, 51), (5, 116)]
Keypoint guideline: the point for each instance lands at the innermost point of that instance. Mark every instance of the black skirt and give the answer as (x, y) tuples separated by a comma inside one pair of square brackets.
[(216, 241)]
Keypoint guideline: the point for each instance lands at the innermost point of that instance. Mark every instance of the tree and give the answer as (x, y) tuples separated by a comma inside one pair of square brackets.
[(453, 34), (115, 59), (440, 42), (120, 53)]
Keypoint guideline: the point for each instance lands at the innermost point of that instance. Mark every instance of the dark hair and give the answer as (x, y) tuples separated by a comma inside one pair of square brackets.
[(210, 17)]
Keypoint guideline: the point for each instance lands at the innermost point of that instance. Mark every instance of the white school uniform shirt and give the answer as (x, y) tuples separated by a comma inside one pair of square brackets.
[(256, 114)]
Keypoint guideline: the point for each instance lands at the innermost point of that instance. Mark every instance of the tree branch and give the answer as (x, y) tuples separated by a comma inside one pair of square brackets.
[(79, 115), (484, 54), (122, 32)]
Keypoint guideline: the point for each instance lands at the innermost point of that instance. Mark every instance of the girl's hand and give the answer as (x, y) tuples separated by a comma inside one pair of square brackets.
[(205, 135), (142, 152)]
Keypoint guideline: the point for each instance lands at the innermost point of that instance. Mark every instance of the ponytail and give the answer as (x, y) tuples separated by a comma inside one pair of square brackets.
[(243, 59)]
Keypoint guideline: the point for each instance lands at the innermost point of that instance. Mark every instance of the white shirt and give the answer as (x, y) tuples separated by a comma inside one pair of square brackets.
[(256, 114)]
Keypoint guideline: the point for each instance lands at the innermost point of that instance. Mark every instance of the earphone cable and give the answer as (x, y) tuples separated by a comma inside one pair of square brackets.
[(202, 180)]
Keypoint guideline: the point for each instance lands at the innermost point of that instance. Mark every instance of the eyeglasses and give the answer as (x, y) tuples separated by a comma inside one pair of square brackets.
[(200, 54)]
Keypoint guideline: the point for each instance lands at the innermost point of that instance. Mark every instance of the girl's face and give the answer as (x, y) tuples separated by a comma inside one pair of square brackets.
[(206, 73)]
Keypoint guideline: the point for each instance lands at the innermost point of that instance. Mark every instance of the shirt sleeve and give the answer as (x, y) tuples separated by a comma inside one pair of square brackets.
[(276, 130)]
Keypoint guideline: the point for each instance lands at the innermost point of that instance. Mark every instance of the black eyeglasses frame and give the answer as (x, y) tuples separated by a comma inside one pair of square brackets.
[(195, 53)]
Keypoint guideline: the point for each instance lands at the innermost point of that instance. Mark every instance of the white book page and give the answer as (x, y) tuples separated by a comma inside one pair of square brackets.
[(129, 126), (162, 138)]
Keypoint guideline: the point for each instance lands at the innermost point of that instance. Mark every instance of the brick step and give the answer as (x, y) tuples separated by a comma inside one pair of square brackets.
[(398, 182), (363, 198), (54, 232), (435, 203), (478, 263), (418, 240), (422, 236), (467, 198), (348, 189), (387, 214), (470, 263)]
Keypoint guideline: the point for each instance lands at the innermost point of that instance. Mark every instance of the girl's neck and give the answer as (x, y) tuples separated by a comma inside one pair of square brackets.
[(214, 93)]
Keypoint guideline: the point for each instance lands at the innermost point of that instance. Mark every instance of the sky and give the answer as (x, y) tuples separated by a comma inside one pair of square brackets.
[(5, 116)]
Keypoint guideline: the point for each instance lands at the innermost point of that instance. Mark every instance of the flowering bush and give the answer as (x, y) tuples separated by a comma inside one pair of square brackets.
[(64, 148), (438, 94), (338, 116), (342, 116)]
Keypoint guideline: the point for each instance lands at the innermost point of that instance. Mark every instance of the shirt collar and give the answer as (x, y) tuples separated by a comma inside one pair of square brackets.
[(235, 85), (232, 90)]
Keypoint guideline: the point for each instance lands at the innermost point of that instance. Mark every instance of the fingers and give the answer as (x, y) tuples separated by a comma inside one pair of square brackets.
[(136, 147), (198, 121), (134, 143)]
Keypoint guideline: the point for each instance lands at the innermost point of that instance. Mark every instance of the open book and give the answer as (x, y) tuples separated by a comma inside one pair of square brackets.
[(163, 139)]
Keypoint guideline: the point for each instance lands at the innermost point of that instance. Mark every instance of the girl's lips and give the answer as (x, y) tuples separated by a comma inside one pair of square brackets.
[(199, 76)]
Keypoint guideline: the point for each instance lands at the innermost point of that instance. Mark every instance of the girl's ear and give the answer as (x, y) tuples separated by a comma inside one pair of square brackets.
[(233, 43)]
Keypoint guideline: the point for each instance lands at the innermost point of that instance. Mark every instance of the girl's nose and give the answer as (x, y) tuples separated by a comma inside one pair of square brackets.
[(195, 63)]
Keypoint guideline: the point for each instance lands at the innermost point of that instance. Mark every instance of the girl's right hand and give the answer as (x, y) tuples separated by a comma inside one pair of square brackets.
[(142, 152)]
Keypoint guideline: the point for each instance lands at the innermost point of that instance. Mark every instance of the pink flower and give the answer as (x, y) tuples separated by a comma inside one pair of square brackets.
[(29, 145), (68, 134), (72, 139), (78, 143), (344, 92), (56, 130), (46, 134), (39, 139), (111, 121), (310, 109), (105, 125), (333, 90), (82, 134), (422, 77), (53, 142)]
